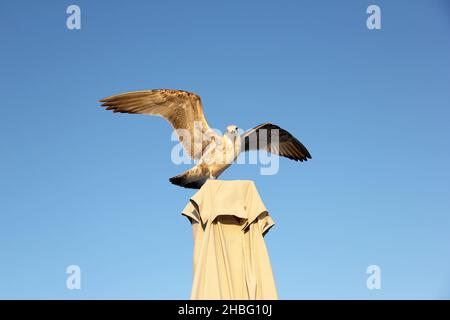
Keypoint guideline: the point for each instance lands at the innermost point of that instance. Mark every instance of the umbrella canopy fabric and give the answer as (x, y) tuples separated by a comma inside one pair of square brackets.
[(229, 221)]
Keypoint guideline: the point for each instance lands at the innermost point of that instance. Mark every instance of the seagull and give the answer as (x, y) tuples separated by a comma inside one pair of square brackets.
[(213, 153)]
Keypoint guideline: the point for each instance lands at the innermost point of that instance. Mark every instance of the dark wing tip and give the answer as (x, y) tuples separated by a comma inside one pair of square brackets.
[(106, 103), (182, 181), (306, 153), (298, 151)]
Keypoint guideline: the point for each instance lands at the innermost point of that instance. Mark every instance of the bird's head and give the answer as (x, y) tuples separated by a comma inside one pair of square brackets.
[(232, 129)]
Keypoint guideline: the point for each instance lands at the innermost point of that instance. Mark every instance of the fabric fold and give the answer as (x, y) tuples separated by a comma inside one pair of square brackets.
[(229, 221)]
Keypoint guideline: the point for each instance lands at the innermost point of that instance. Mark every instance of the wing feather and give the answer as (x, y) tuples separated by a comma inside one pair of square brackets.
[(182, 109), (260, 138)]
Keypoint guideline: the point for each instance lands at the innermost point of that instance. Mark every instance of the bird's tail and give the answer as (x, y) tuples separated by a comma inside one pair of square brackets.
[(192, 178)]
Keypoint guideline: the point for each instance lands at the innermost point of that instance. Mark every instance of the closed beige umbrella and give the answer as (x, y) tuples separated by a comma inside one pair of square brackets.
[(229, 221)]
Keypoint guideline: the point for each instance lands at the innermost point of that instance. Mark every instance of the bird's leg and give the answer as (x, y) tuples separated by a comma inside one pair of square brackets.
[(211, 176)]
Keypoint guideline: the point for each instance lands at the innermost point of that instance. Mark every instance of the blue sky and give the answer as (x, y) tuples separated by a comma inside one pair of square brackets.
[(79, 185)]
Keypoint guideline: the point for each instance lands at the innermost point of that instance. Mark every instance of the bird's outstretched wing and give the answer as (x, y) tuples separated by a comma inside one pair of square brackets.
[(260, 137), (182, 109)]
